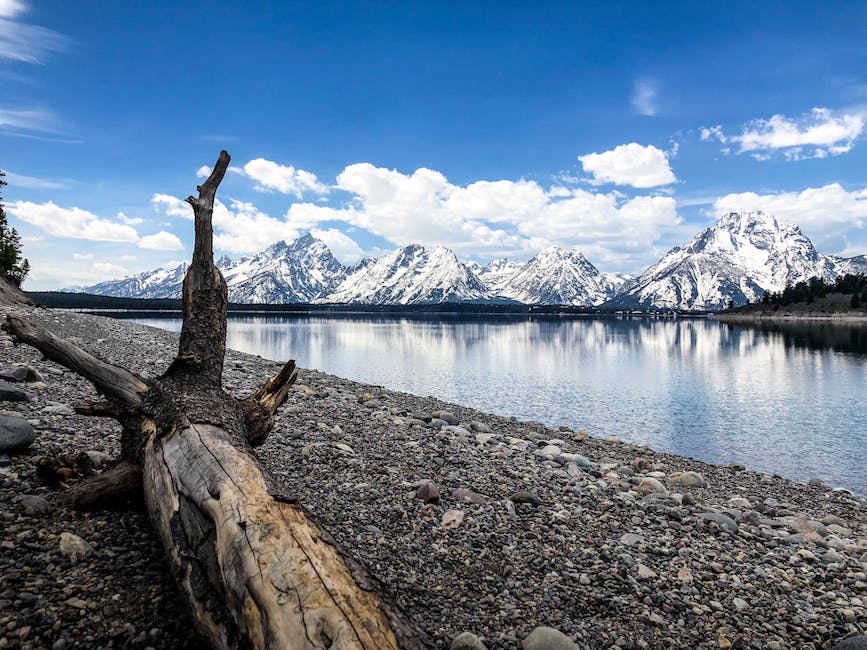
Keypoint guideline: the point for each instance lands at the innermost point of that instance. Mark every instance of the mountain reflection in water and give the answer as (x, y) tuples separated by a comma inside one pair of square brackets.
[(780, 398)]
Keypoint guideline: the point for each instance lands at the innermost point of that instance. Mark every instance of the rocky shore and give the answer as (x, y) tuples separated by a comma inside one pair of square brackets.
[(485, 529)]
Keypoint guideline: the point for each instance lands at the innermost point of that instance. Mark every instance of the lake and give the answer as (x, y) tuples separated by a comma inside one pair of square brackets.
[(787, 400)]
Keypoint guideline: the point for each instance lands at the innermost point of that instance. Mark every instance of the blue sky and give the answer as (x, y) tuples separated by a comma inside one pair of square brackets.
[(496, 128)]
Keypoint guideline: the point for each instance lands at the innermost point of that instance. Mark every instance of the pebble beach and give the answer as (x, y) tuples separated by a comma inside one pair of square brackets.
[(489, 531)]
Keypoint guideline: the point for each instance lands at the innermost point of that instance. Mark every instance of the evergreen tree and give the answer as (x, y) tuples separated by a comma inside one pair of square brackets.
[(12, 266), (855, 303)]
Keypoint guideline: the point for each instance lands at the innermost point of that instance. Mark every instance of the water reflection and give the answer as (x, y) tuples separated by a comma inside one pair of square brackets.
[(783, 399)]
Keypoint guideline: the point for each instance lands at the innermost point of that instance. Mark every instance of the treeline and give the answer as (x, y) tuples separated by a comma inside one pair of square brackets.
[(816, 288), (13, 266)]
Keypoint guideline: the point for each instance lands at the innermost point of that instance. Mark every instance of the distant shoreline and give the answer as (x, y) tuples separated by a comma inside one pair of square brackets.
[(764, 317)]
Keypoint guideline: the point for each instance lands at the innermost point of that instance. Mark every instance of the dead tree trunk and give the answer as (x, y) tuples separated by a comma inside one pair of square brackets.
[(255, 571)]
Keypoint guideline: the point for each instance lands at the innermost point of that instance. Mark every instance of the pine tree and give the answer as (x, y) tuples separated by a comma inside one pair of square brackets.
[(12, 266), (855, 303)]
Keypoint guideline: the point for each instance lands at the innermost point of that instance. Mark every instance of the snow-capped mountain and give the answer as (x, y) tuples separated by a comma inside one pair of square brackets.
[(284, 273), (557, 276), (496, 274), (853, 265), (408, 276), (160, 283), (738, 258)]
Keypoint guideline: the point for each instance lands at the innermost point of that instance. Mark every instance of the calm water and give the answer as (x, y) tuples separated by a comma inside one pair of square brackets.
[(790, 401)]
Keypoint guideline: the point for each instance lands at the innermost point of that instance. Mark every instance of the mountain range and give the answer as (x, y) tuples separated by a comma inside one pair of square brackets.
[(738, 258)]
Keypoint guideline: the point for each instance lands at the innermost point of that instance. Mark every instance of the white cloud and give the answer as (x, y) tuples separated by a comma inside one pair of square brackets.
[(22, 42), (203, 172), (31, 182), (79, 257), (161, 241), (709, 133), (243, 228), (129, 221), (493, 218), (285, 179), (629, 164), (32, 119), (109, 269), (818, 134), (827, 214), (172, 206), (11, 8), (644, 95), (483, 219), (343, 247), (238, 228), (71, 222)]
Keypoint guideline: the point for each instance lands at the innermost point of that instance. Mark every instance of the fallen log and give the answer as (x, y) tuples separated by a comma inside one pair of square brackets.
[(255, 570)]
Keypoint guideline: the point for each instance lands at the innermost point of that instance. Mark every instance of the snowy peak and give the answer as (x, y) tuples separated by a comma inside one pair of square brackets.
[(558, 276), (409, 276), (495, 275), (284, 273), (738, 258)]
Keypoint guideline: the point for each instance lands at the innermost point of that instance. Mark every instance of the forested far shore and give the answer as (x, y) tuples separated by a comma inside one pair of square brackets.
[(64, 300)]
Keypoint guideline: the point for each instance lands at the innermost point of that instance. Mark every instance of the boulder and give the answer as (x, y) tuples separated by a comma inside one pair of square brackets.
[(16, 434)]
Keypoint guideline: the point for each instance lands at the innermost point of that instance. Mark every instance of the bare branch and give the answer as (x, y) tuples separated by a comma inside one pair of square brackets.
[(260, 407), (104, 409), (109, 488), (114, 382)]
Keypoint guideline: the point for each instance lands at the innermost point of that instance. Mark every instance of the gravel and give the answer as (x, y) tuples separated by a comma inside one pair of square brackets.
[(615, 549)]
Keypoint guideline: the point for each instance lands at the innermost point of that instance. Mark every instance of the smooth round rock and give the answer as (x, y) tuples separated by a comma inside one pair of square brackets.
[(723, 521), (650, 485), (526, 497), (16, 434), (33, 504), (688, 479), (9, 393), (547, 638), (452, 419), (467, 641)]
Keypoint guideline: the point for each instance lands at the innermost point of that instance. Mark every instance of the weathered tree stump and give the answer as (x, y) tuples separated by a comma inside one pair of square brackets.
[(255, 570)]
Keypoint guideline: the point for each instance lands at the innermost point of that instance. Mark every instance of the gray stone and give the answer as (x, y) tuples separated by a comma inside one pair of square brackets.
[(649, 485), (16, 434), (526, 497), (463, 494), (551, 450), (852, 643), (98, 458), (9, 393), (547, 638), (21, 373), (428, 492), (481, 427), (740, 604), (58, 408), (577, 459), (467, 641), (645, 572), (723, 521), (452, 419), (631, 539), (687, 479), (33, 504), (74, 547)]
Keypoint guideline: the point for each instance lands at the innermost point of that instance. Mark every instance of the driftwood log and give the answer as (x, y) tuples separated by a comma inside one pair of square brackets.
[(255, 569)]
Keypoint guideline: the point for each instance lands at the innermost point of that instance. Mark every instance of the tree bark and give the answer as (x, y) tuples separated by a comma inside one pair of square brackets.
[(255, 570)]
